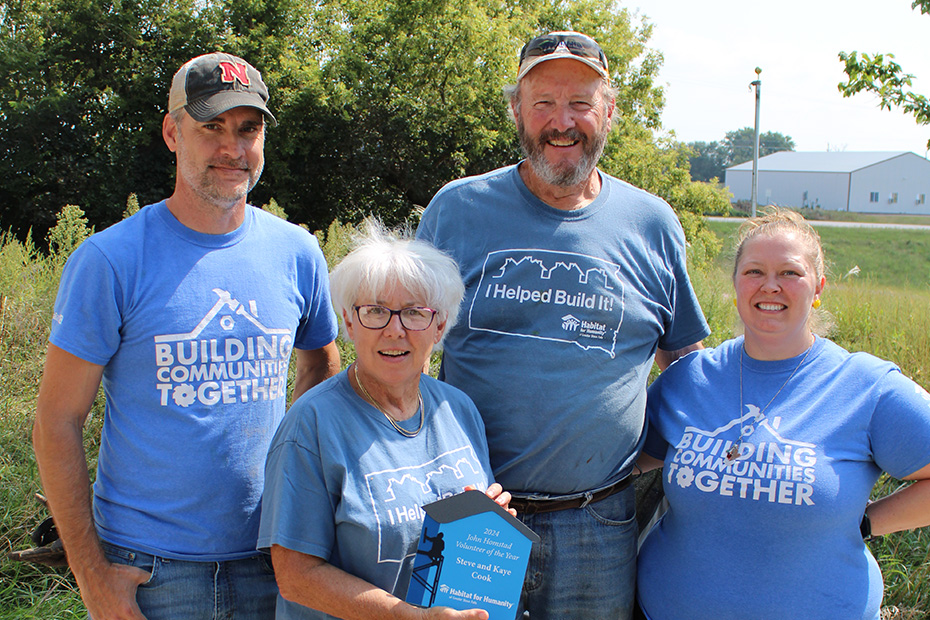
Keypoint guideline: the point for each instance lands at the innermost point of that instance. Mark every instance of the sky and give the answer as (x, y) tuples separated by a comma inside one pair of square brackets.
[(711, 50)]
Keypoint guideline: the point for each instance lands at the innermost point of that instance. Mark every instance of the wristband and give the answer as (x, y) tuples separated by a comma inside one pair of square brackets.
[(865, 526)]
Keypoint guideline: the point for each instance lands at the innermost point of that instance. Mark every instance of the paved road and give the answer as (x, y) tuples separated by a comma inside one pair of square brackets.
[(840, 224)]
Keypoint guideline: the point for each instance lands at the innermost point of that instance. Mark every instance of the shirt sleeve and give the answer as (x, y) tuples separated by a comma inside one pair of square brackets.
[(318, 324), (900, 426), (687, 325), (297, 510), (89, 307), (655, 446)]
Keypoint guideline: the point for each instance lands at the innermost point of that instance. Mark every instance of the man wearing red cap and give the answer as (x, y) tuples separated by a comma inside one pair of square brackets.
[(187, 313), (575, 283)]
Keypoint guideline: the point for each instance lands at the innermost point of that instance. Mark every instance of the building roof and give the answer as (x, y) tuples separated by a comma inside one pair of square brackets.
[(821, 161)]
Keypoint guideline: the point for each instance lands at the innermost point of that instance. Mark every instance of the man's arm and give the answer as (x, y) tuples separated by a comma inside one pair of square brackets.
[(665, 358), (313, 366), (66, 395)]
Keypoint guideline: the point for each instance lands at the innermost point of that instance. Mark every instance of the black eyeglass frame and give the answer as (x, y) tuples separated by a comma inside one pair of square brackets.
[(578, 44), (399, 314)]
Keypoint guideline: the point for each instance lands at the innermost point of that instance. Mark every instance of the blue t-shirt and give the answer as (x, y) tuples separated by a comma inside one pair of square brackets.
[(774, 534), (562, 315), (343, 485), (195, 334)]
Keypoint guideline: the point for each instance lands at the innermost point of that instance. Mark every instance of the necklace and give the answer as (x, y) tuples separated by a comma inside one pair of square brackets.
[(733, 453), (397, 427)]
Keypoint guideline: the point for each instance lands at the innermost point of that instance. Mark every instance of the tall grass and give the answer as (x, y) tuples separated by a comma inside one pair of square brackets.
[(886, 321), (28, 282)]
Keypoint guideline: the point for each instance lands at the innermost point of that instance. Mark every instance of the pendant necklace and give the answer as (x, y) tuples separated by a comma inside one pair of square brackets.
[(733, 453), (397, 427)]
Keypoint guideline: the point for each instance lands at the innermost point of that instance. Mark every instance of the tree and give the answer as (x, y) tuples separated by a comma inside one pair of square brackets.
[(708, 161), (740, 144), (83, 85), (713, 158), (881, 75), (380, 102)]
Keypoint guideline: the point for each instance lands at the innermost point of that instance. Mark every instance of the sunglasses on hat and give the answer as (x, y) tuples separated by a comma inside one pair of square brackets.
[(581, 46)]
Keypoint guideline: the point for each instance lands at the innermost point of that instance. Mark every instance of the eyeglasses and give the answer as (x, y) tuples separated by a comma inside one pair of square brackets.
[(576, 43), (415, 318)]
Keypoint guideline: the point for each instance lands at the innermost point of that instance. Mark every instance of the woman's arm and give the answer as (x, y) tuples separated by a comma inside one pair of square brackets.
[(314, 583), (905, 509), (648, 463)]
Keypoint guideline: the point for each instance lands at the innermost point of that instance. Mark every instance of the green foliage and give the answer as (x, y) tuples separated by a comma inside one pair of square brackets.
[(83, 85), (708, 162), (905, 561), (132, 206), (406, 98), (275, 209), (880, 75), (740, 144), (661, 167), (885, 258), (28, 282), (68, 233), (711, 159), (380, 102), (336, 241)]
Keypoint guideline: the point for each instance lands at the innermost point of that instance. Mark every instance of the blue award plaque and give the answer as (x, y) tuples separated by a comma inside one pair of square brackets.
[(472, 554)]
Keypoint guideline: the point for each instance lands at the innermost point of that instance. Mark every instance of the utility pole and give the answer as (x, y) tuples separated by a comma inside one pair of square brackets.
[(755, 152)]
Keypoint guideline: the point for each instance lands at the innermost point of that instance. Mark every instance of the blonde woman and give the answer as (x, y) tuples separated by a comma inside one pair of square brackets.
[(771, 444)]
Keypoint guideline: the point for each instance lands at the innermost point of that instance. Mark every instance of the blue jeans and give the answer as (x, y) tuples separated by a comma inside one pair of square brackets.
[(231, 590), (585, 565)]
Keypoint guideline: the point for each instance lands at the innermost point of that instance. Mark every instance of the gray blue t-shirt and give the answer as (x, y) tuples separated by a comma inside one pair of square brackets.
[(343, 485), (775, 533), (195, 334), (562, 316)]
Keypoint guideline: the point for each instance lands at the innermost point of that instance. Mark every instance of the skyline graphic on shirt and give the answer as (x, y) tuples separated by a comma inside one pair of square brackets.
[(562, 297), (398, 495)]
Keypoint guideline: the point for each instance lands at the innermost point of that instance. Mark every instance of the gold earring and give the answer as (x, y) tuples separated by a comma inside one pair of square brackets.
[(816, 304), (734, 302)]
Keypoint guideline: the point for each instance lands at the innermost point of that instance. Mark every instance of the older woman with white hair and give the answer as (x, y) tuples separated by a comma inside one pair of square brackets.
[(356, 457)]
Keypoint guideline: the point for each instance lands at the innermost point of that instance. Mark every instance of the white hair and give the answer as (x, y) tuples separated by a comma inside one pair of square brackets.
[(384, 259)]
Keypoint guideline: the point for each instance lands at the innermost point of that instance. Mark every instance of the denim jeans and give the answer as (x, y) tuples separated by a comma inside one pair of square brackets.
[(585, 565), (231, 590)]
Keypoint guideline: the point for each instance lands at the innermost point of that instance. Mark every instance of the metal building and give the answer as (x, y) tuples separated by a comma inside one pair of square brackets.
[(867, 182)]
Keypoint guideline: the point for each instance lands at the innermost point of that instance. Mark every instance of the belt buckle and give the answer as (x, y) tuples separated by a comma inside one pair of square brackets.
[(588, 496)]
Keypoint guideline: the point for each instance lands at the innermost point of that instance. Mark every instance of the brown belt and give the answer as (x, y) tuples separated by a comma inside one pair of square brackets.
[(533, 506)]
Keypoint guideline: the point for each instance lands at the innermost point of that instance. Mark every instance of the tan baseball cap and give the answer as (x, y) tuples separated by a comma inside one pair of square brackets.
[(563, 44)]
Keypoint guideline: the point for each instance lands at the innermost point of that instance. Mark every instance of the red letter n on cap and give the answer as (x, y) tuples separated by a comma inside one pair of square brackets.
[(235, 71)]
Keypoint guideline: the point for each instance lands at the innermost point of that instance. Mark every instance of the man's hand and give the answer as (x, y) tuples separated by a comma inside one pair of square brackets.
[(109, 591)]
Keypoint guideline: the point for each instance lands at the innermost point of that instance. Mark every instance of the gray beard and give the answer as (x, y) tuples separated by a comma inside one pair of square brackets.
[(565, 174)]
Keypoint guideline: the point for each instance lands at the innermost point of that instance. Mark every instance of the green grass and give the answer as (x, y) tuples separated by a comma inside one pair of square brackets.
[(886, 258)]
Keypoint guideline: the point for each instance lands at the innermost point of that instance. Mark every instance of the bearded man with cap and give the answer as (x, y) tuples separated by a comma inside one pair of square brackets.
[(576, 281), (188, 313)]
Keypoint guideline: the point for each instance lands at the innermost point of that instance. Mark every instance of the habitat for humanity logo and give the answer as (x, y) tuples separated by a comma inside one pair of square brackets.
[(525, 293), (229, 357)]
